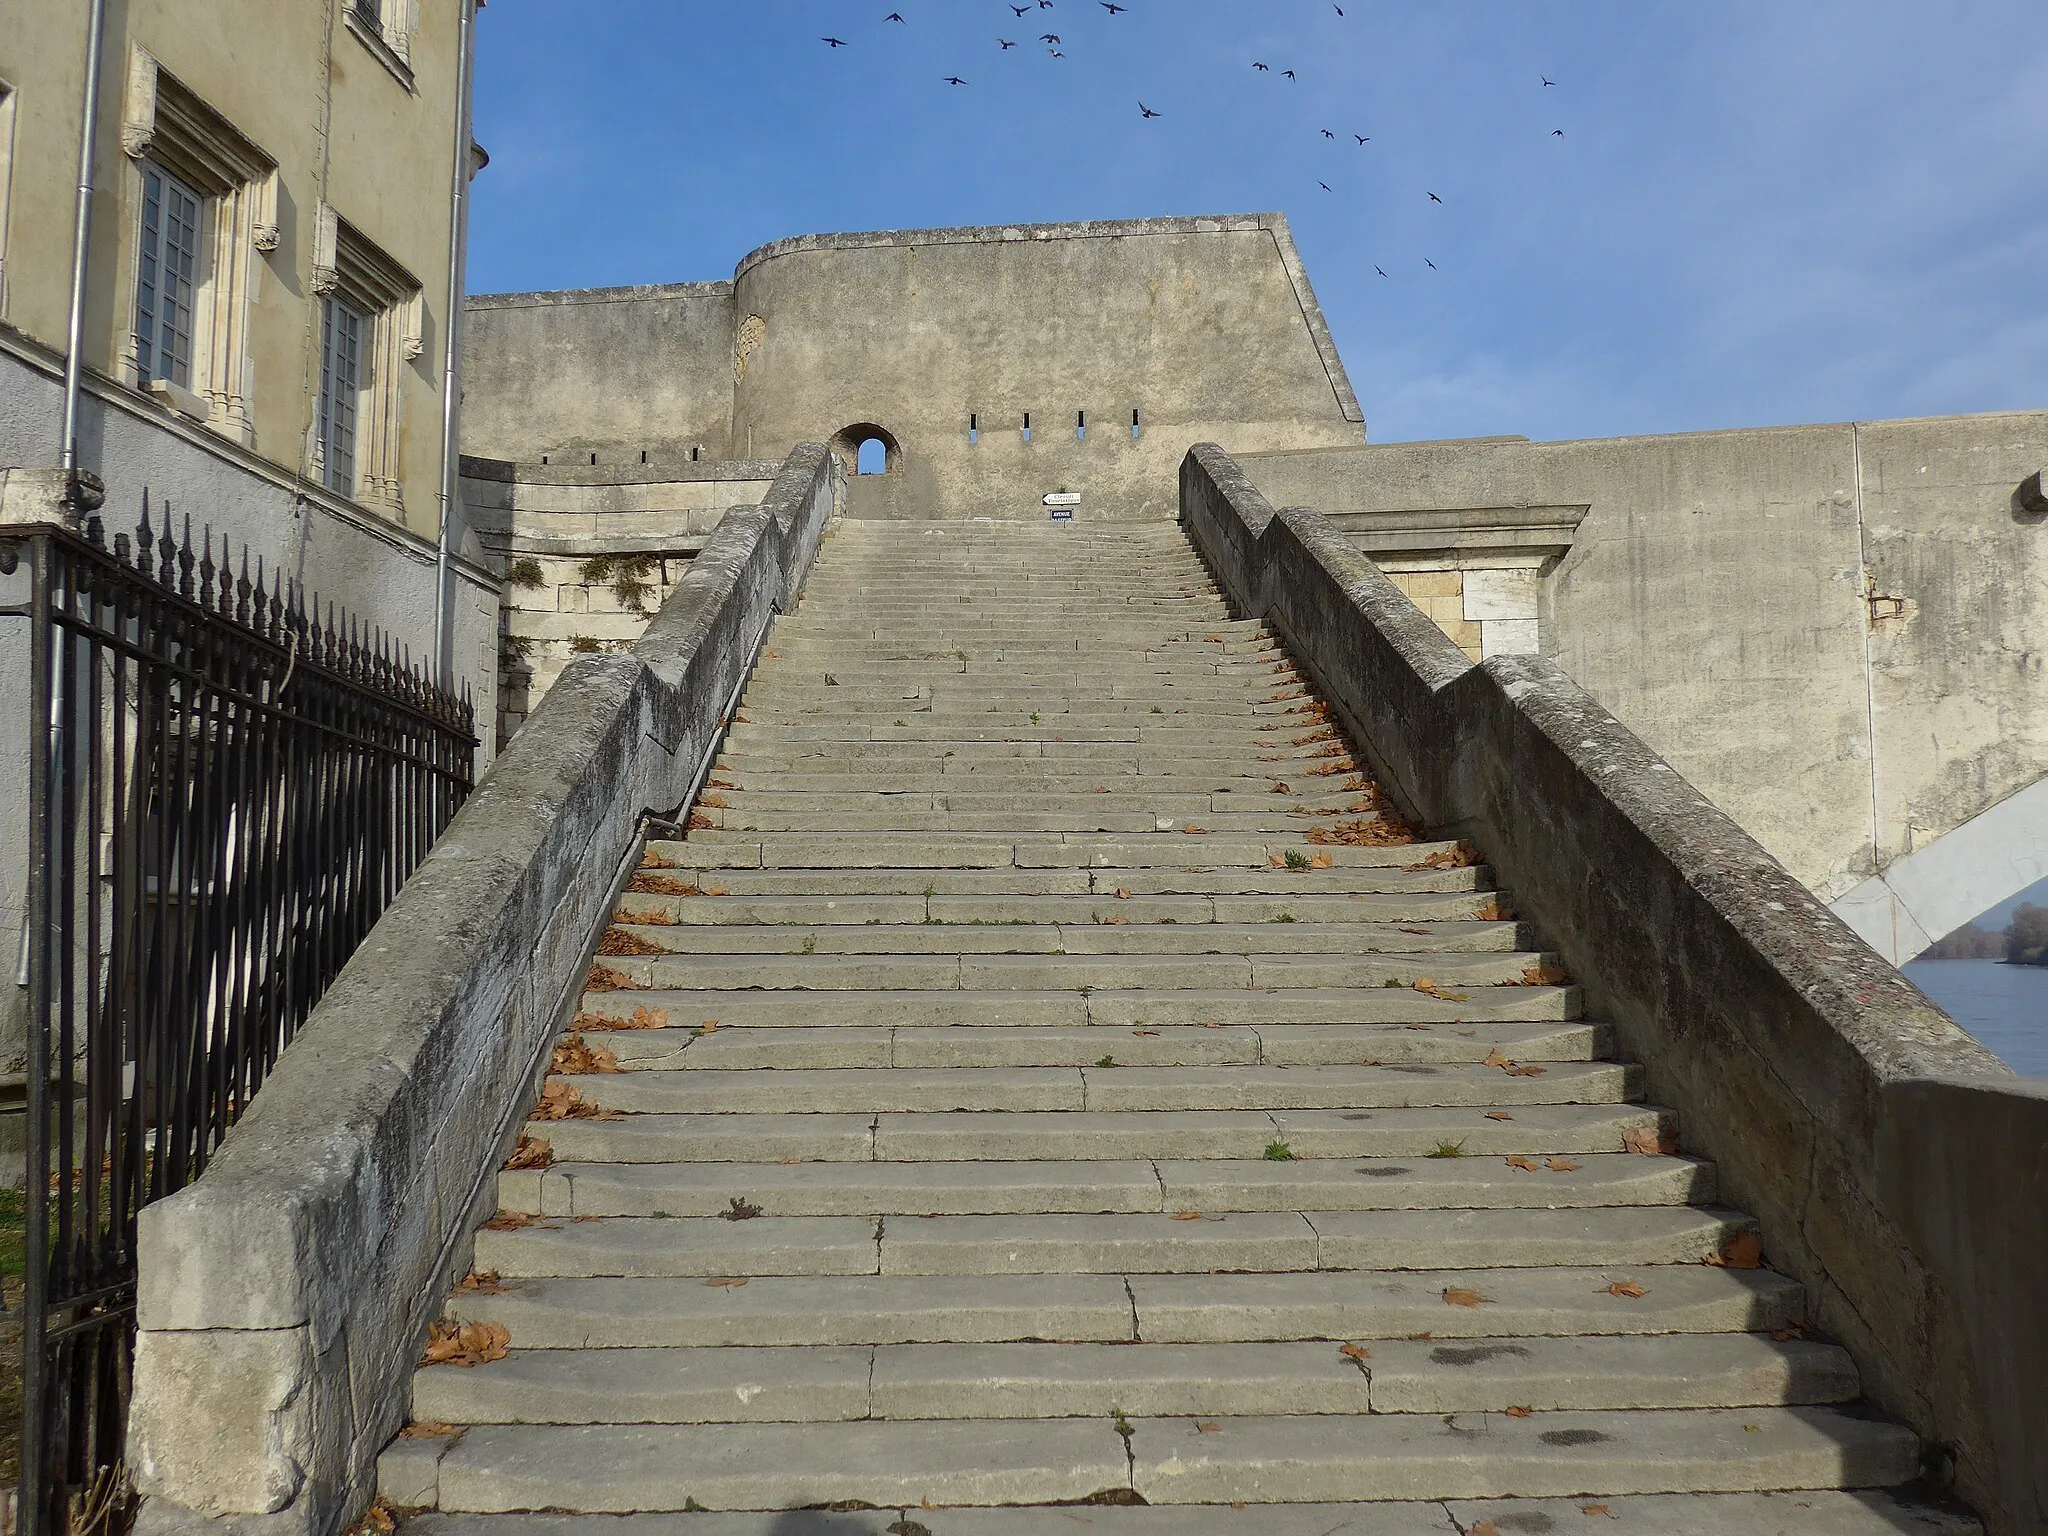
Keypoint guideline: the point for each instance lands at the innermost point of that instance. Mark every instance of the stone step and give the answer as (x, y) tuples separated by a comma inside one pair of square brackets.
[(1179, 1309), (1210, 1186), (711, 971), (1096, 1243), (1134, 1009), (1361, 1086), (822, 807), (904, 938), (1805, 1512), (1056, 1135), (923, 1382), (652, 1046), (1412, 1456), (1241, 837), (1253, 860), (973, 898)]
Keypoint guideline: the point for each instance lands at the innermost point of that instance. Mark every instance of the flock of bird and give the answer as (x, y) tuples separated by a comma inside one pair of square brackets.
[(1053, 44)]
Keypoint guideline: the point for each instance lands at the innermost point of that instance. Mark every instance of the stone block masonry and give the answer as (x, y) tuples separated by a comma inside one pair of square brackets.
[(1853, 1117), (286, 1294)]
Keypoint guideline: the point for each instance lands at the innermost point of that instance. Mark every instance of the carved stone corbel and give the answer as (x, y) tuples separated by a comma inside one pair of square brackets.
[(138, 106)]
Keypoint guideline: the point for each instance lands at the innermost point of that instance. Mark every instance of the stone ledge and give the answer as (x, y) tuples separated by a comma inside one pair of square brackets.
[(1803, 1062), (285, 1295)]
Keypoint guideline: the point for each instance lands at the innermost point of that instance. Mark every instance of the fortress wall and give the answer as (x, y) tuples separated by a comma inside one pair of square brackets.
[(1837, 632), (1205, 327), (613, 371)]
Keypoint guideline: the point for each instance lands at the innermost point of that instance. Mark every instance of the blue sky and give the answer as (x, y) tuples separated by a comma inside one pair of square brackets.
[(1758, 212)]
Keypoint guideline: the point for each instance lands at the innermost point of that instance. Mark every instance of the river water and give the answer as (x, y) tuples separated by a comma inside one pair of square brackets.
[(2005, 1006)]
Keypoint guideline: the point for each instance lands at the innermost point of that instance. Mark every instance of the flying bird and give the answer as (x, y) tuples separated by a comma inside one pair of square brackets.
[(1338, 9), (1287, 74), (954, 80), (1113, 10), (1557, 133), (1328, 135), (1147, 111), (1326, 186), (1434, 198), (1429, 264), (833, 42), (1052, 38), (1379, 269), (1546, 80), (1021, 10), (1361, 138), (895, 16), (1262, 68), (1005, 43)]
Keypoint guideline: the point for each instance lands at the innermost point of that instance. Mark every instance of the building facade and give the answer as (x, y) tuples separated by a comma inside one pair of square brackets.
[(265, 317)]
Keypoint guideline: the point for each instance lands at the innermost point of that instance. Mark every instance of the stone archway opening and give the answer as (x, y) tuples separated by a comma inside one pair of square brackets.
[(867, 449)]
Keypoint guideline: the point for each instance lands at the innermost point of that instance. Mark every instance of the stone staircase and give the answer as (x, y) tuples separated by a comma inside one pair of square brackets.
[(1045, 1074)]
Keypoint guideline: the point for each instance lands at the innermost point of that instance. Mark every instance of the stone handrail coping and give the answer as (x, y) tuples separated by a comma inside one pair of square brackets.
[(1896, 1167), (285, 1296)]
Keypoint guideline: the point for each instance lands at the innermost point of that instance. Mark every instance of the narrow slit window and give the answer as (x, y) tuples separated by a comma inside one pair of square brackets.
[(1027, 426), (973, 427), (1136, 429), (1080, 426)]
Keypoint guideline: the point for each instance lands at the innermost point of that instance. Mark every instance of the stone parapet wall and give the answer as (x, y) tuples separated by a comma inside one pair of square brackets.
[(286, 1295), (1897, 1169)]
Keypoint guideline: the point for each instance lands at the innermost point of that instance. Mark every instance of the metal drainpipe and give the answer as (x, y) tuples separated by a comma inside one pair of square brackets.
[(451, 373), (88, 135)]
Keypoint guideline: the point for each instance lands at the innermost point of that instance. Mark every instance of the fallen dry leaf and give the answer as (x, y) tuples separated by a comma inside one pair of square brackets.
[(641, 1018), (1492, 912), (726, 1282), (564, 1101), (1354, 1352), (1649, 1141), (1207, 1427), (715, 890), (716, 802), (531, 1152), (1561, 1165), (617, 941), (1524, 1164), (1598, 1509), (1790, 1332), (1116, 922), (1519, 1413), (466, 1344), (1122, 894), (1498, 1114), (1194, 831), (698, 821), (1460, 855), (1371, 1061), (1484, 1528), (425, 1429), (378, 1520), (788, 1162), (1281, 787), (1430, 989), (603, 978), (575, 1057), (482, 1282), (1521, 1071), (1743, 1251), (709, 1027), (1627, 1289), (1385, 832), (508, 1221), (1187, 1215), (1143, 1033), (1544, 976), (1321, 861), (1496, 1058), (645, 884), (1458, 1296)]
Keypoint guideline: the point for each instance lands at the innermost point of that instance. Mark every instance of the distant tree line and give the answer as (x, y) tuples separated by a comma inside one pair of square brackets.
[(2024, 942)]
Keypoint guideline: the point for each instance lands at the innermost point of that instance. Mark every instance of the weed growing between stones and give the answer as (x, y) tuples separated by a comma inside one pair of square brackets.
[(1279, 1152)]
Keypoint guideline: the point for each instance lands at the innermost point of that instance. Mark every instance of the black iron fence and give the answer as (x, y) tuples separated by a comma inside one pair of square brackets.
[(225, 789)]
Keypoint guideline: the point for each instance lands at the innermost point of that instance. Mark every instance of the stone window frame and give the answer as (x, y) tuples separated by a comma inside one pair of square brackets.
[(9, 97), (387, 28), (347, 265), (165, 124)]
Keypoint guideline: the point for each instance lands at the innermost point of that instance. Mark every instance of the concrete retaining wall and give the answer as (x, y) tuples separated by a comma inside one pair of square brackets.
[(1897, 1168), (286, 1295)]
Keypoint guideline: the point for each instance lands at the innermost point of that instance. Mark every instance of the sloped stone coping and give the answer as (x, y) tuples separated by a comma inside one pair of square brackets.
[(1896, 1166), (285, 1296)]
